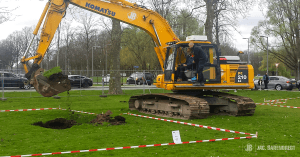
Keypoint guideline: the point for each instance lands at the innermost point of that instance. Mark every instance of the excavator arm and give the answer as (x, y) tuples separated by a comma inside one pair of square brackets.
[(150, 21)]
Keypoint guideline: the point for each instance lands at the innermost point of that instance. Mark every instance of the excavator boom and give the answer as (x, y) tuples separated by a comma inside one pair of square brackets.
[(150, 21)]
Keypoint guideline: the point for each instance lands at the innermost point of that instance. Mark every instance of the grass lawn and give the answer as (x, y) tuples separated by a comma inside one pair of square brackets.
[(276, 126)]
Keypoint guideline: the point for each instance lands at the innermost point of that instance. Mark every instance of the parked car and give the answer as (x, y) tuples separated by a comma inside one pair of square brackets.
[(21, 75), (80, 81), (11, 80), (278, 83), (296, 84), (140, 78), (106, 78)]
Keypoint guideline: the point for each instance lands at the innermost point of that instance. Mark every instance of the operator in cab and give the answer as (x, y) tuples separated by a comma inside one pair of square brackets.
[(200, 59), (189, 64)]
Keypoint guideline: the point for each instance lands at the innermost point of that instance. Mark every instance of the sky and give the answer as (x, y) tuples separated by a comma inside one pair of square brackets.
[(27, 14)]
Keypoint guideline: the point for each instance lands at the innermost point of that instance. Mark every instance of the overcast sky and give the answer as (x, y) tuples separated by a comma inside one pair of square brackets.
[(28, 13)]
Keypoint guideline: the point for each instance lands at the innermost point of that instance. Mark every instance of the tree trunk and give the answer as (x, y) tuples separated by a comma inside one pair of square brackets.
[(209, 19), (115, 77)]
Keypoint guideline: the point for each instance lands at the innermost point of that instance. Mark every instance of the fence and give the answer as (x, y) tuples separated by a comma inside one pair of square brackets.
[(12, 82)]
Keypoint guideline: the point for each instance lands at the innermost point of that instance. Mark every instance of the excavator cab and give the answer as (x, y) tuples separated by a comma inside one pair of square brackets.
[(176, 56)]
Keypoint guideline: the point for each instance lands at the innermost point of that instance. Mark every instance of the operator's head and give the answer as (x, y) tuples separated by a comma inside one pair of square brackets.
[(189, 50), (191, 45)]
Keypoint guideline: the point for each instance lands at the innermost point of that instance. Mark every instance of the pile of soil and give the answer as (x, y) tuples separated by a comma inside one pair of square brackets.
[(58, 123), (117, 120), (58, 77)]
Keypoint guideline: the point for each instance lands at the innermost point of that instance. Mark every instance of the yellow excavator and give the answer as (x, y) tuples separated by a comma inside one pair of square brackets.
[(187, 100)]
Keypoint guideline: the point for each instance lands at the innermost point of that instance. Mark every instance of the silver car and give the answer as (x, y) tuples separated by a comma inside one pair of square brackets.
[(276, 82)]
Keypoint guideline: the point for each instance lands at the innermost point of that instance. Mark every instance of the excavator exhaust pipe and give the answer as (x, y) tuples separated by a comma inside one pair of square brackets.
[(55, 84)]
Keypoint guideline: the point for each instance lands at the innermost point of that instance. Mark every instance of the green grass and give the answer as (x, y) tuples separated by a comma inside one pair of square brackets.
[(275, 126), (52, 71)]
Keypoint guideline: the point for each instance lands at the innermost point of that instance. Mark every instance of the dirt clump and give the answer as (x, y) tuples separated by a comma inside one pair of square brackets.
[(117, 120), (58, 123)]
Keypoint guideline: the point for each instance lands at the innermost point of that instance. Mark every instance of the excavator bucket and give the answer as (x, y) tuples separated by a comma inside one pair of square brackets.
[(55, 84)]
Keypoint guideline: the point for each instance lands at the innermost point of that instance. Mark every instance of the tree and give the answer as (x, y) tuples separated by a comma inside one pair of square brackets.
[(185, 24), (138, 49), (5, 14), (67, 35), (163, 7), (221, 17), (115, 77), (282, 25), (88, 23)]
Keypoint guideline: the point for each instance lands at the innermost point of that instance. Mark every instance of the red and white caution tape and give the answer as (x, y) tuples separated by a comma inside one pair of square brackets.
[(140, 146), (274, 100), (277, 105), (197, 125), (293, 98), (270, 103), (277, 102), (37, 109), (79, 111)]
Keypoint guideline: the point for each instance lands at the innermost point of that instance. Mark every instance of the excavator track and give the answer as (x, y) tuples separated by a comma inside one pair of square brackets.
[(192, 106)]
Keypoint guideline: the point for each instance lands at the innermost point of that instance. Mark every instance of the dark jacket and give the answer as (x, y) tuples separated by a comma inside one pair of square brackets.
[(200, 55), (266, 78), (189, 60)]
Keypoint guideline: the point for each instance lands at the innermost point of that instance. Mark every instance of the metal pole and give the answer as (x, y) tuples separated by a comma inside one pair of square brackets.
[(103, 85), (102, 82), (144, 82), (298, 69), (248, 53), (68, 66), (3, 99), (3, 85), (248, 61), (93, 61), (267, 55), (106, 60), (80, 83)]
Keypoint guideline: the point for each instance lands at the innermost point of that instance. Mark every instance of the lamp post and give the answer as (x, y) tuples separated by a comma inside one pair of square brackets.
[(298, 67), (248, 50), (276, 64), (93, 60), (106, 57), (267, 53), (3, 99)]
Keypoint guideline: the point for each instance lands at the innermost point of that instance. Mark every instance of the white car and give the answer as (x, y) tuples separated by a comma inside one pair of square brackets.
[(106, 78)]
